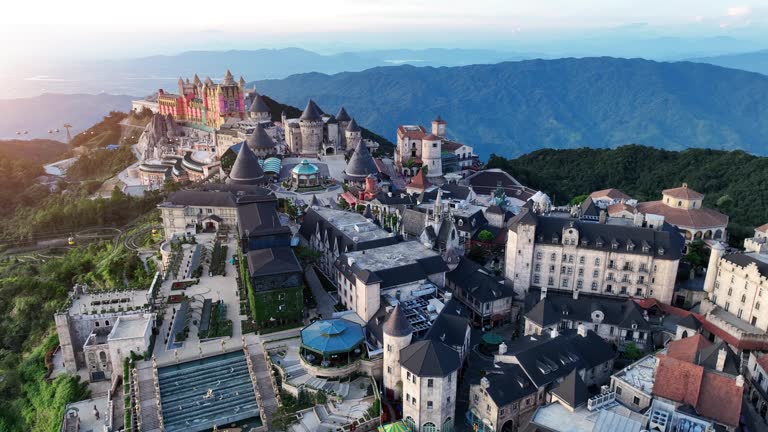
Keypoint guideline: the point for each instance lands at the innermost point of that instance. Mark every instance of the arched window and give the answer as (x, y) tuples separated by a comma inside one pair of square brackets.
[(448, 425), (103, 357), (428, 427), (409, 421)]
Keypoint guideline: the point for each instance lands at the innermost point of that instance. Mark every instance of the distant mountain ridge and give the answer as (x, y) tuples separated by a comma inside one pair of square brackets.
[(756, 61), (513, 108)]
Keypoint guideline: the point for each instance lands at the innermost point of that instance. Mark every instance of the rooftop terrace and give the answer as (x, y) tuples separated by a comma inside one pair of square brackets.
[(640, 374), (130, 327), (107, 301), (616, 418), (353, 225), (387, 257)]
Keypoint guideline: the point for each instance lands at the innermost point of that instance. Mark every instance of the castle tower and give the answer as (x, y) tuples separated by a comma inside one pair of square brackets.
[(429, 375), (397, 335), (718, 250), (259, 111), (343, 118), (431, 149), (311, 125), (438, 127), (352, 134), (519, 251)]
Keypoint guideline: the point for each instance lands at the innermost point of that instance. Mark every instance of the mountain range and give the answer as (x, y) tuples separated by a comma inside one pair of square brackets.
[(756, 61), (512, 108)]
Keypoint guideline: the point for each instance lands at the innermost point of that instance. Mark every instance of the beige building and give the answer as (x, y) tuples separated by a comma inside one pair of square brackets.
[(608, 258), (403, 271), (738, 282), (683, 208)]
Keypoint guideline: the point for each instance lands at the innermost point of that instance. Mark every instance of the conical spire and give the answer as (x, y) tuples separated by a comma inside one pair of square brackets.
[(361, 163), (228, 78), (314, 202), (353, 127), (260, 139), (397, 324), (241, 81), (312, 112), (196, 80), (258, 105), (342, 116), (246, 169)]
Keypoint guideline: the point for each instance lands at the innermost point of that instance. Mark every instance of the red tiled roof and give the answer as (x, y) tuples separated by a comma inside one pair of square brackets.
[(648, 303), (452, 146), (610, 193), (678, 380), (417, 133), (694, 218), (432, 137), (686, 349), (419, 181), (711, 394), (762, 361), (762, 228), (619, 207), (683, 192), (720, 398), (349, 198)]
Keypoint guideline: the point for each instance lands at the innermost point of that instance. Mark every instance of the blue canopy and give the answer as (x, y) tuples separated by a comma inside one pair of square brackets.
[(332, 336)]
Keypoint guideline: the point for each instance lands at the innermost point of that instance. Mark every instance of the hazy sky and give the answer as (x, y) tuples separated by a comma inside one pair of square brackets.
[(53, 29)]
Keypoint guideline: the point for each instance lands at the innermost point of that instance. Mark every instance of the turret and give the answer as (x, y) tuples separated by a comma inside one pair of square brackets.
[(431, 149), (438, 127), (718, 250), (353, 134), (397, 333), (311, 125)]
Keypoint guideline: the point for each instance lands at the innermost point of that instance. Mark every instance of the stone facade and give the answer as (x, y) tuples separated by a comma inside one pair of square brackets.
[(429, 401)]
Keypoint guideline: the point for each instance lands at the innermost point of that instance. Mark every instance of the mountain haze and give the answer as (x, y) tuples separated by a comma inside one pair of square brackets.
[(513, 108), (756, 61)]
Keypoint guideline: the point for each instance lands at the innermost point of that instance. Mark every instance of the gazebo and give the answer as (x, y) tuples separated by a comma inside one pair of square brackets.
[(305, 174), (333, 343)]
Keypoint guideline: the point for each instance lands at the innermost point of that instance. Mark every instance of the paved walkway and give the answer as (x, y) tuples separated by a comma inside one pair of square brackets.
[(325, 303), (263, 382)]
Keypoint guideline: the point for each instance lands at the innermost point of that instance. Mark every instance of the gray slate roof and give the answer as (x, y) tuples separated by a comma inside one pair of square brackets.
[(397, 324), (353, 127), (429, 358), (273, 261), (342, 115), (508, 382), (246, 169), (477, 283), (618, 312), (260, 139), (745, 259), (361, 164), (572, 390), (311, 112), (258, 105), (200, 198)]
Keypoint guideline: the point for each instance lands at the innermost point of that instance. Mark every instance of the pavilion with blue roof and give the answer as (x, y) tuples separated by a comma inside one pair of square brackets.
[(305, 174), (332, 343)]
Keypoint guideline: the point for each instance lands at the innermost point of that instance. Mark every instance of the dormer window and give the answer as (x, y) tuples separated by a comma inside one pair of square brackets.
[(661, 251), (584, 242), (614, 245)]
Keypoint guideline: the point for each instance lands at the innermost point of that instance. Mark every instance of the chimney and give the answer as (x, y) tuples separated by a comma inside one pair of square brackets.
[(603, 216), (502, 348), (582, 330), (554, 333), (447, 296), (543, 293), (740, 380), (575, 294), (721, 354)]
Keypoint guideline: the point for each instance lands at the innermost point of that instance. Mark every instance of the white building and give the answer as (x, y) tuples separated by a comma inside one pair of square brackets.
[(598, 258)]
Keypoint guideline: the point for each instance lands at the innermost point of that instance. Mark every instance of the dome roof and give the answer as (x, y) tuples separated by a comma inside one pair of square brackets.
[(260, 139), (361, 164), (311, 112), (332, 336), (305, 168), (246, 170)]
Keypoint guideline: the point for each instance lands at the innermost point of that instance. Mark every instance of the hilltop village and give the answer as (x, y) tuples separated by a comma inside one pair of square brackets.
[(310, 281)]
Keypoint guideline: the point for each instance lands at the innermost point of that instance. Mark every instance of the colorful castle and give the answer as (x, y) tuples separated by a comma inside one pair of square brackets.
[(204, 103)]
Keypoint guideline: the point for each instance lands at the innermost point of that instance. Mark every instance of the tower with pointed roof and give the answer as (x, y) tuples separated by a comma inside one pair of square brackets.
[(397, 333), (343, 118), (311, 126), (360, 165), (258, 111), (246, 169), (353, 135), (438, 127)]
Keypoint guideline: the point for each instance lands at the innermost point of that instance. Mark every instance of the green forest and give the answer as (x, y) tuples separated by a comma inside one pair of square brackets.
[(735, 182), (34, 289)]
